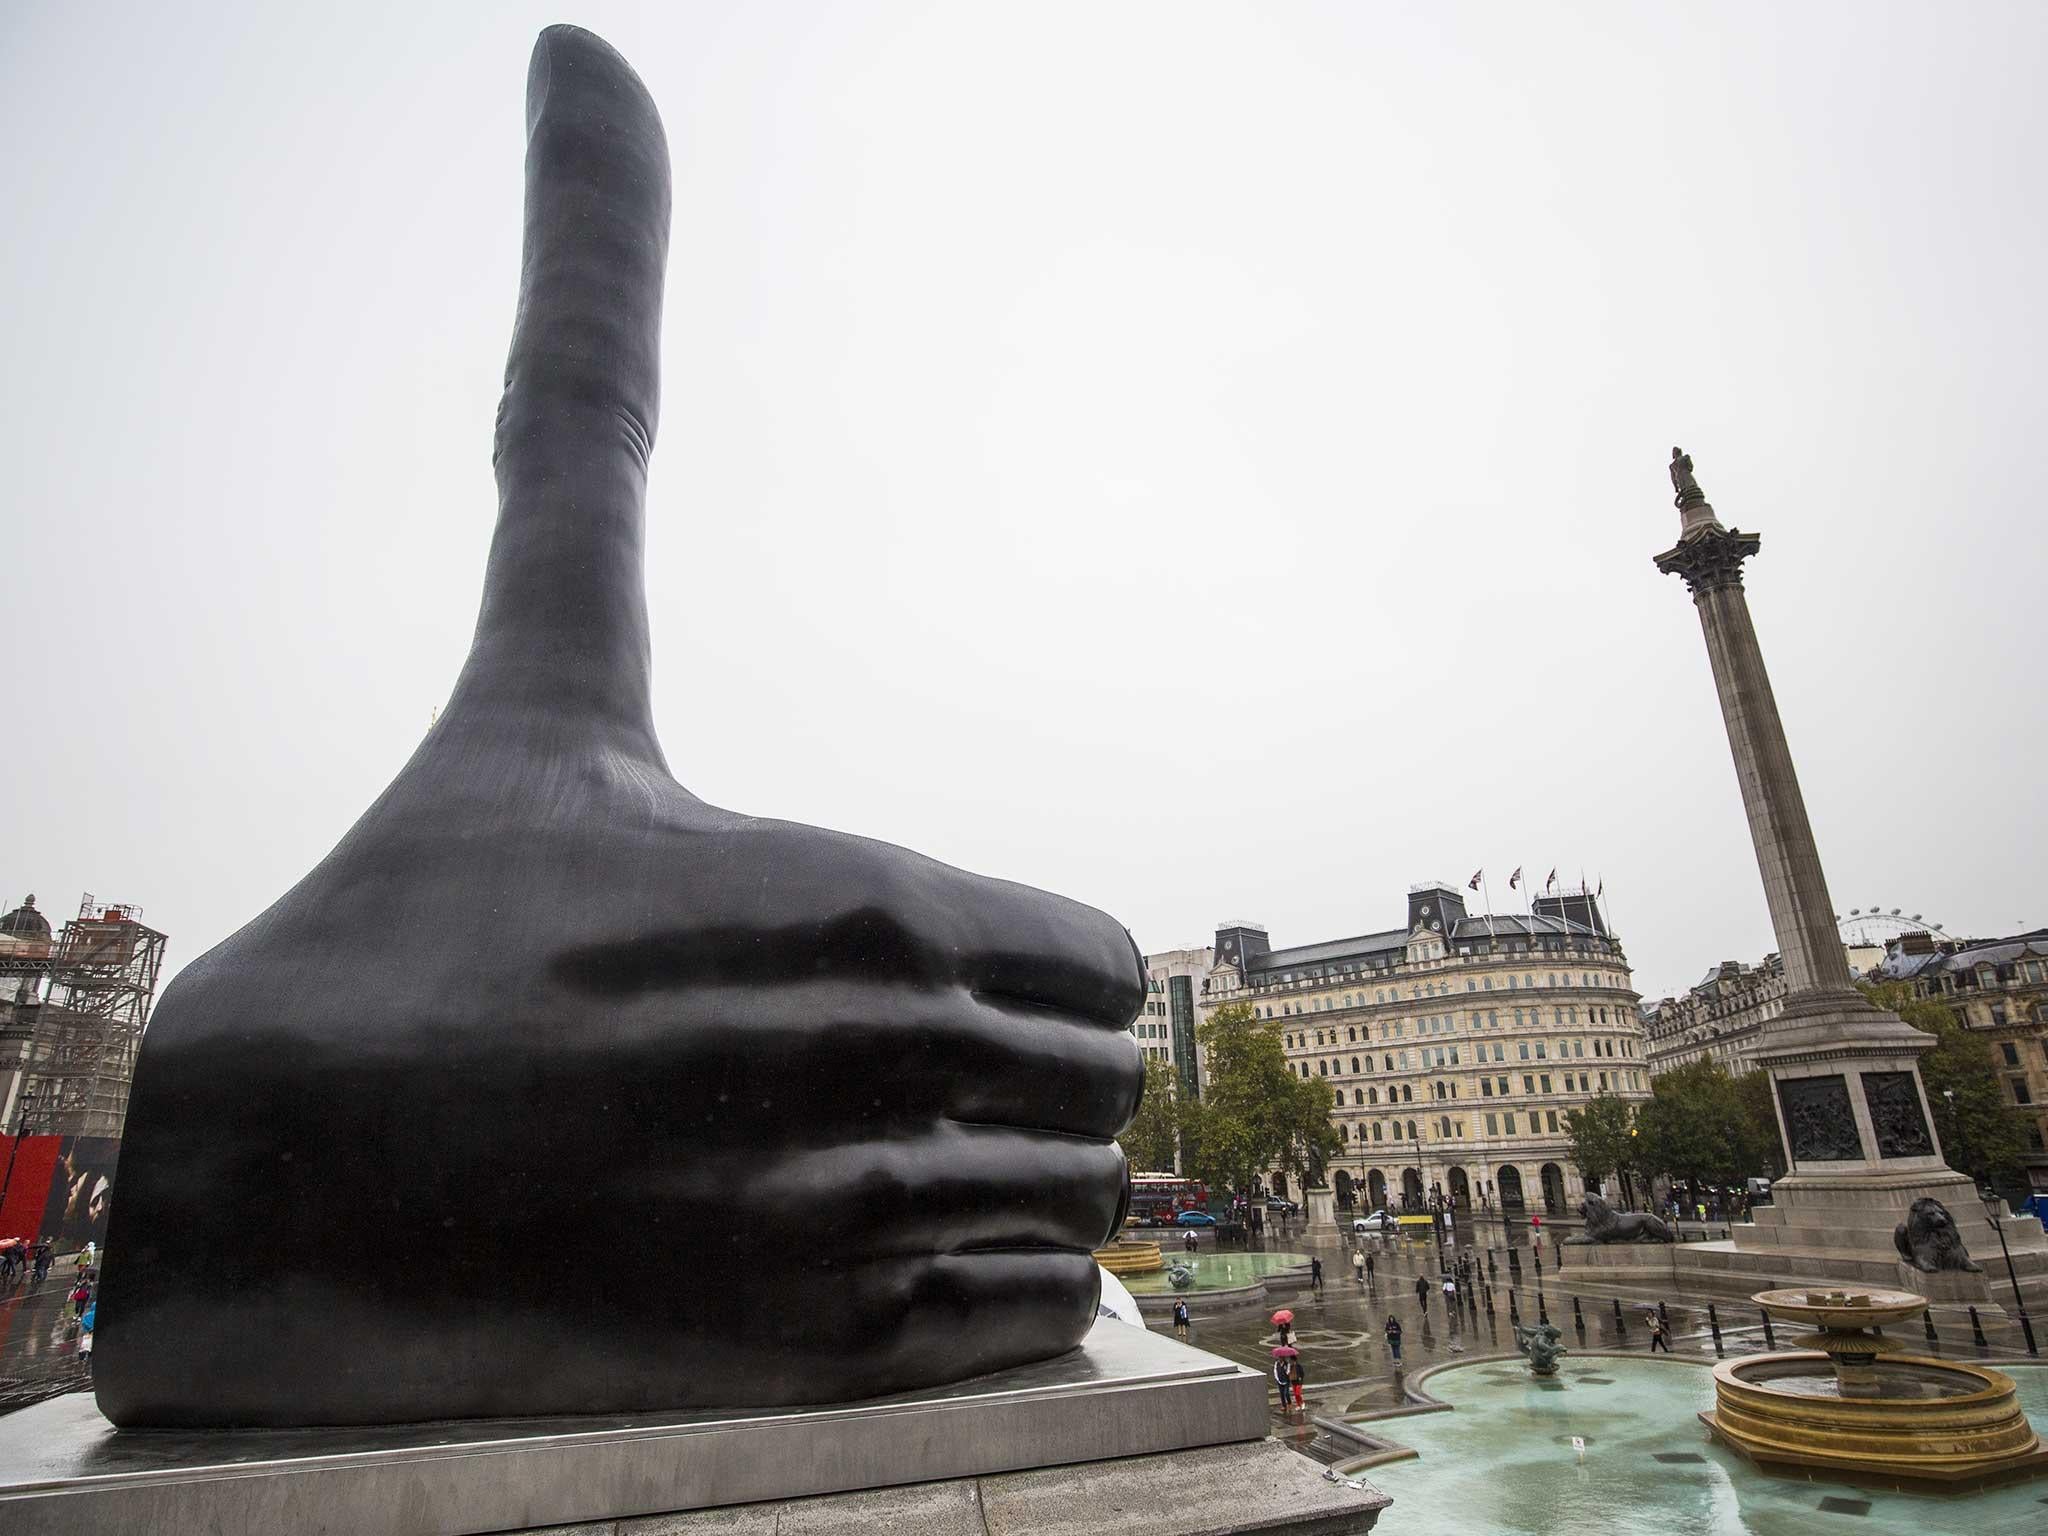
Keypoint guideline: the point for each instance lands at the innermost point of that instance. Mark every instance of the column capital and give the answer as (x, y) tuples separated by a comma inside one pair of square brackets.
[(1710, 558)]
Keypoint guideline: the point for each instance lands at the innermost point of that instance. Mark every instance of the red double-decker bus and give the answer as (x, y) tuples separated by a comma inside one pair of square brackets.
[(1157, 1198)]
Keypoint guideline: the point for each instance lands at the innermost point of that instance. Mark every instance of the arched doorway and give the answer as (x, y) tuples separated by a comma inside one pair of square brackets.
[(1553, 1189), (1341, 1183), (1510, 1182), (1376, 1190), (1411, 1188), (1461, 1190)]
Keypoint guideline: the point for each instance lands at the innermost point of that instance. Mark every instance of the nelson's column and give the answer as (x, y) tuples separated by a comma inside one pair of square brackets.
[(1860, 1142)]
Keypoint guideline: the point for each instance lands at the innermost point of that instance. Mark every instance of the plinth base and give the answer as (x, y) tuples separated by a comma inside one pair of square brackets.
[(1124, 1393)]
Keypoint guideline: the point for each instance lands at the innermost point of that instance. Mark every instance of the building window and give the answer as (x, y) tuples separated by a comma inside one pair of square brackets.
[(2020, 1093), (1492, 1125), (1528, 1083), (1508, 1122), (1550, 1115), (2010, 1051)]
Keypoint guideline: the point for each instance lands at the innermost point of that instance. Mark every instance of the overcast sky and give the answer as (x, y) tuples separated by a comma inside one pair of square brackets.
[(1202, 459)]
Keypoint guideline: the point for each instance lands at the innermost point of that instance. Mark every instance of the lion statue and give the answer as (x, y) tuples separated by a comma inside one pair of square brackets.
[(1604, 1224), (1928, 1240)]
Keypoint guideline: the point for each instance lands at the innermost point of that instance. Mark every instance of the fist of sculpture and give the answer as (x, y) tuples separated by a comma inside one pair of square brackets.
[(553, 1090)]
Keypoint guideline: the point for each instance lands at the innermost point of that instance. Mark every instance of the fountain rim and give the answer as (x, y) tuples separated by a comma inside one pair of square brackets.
[(1994, 1382), (1881, 1307)]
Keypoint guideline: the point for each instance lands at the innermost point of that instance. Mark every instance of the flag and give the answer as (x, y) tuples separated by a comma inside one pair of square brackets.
[(1550, 882), (1516, 878), (1473, 883)]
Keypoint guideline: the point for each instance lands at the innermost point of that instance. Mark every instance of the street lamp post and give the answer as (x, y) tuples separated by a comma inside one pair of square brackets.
[(1991, 1204)]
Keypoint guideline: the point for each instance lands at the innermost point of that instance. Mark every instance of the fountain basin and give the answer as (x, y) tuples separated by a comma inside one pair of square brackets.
[(1130, 1256), (1927, 1421)]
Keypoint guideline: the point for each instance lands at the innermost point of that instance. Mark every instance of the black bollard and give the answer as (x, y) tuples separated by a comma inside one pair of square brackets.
[(1514, 1261), (1977, 1329), (1927, 1325), (1542, 1312), (1492, 1269), (1514, 1309), (1770, 1339), (1489, 1302), (1664, 1318), (2027, 1328), (1620, 1326), (1714, 1324), (1537, 1249), (1578, 1320)]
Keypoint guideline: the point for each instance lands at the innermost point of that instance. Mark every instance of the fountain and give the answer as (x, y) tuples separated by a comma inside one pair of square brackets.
[(1130, 1256), (1542, 1345), (1851, 1404)]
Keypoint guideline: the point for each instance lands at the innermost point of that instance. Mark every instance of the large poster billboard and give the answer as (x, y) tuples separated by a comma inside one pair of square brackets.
[(81, 1187)]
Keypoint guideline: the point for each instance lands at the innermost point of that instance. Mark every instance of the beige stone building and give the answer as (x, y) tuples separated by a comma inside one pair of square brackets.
[(1720, 1019), (1998, 988), (1454, 1044)]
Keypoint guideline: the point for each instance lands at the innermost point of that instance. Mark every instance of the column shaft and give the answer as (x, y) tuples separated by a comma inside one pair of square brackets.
[(1795, 887)]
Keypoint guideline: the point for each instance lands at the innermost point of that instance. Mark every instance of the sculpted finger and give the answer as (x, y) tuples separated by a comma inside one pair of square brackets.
[(563, 592)]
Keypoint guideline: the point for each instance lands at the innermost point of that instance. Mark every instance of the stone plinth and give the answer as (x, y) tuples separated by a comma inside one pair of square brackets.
[(1125, 1392)]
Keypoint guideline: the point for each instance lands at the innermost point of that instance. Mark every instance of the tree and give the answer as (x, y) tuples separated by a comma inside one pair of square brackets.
[(1152, 1140), (1603, 1137), (1754, 1096), (1700, 1124), (1255, 1111), (1981, 1134)]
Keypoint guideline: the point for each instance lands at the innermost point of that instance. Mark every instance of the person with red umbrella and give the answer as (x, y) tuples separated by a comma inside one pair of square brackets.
[(1283, 1323)]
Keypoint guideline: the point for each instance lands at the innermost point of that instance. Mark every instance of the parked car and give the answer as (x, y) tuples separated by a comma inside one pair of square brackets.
[(1275, 1203), (1378, 1221), (1194, 1219)]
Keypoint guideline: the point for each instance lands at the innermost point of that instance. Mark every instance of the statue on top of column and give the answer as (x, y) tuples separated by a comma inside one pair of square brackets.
[(1689, 492)]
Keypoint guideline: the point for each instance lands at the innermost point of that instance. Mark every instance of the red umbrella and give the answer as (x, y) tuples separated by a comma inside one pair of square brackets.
[(1285, 1350), (1282, 1316)]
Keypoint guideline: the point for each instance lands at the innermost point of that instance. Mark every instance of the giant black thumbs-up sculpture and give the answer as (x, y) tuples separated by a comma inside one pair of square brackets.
[(553, 1090)]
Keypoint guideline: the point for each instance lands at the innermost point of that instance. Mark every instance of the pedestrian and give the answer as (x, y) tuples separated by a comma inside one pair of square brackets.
[(85, 1323), (1188, 1243), (1283, 1333), (1283, 1377), (80, 1295), (1394, 1337), (1296, 1376), (1180, 1318), (43, 1259), (1368, 1269), (1358, 1268), (1657, 1334), (1315, 1275), (1422, 1293), (1450, 1295)]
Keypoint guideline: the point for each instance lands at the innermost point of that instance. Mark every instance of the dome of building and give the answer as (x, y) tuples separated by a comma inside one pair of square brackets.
[(25, 922)]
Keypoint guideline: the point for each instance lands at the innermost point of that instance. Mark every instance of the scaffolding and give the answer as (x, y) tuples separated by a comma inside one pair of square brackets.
[(103, 975)]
